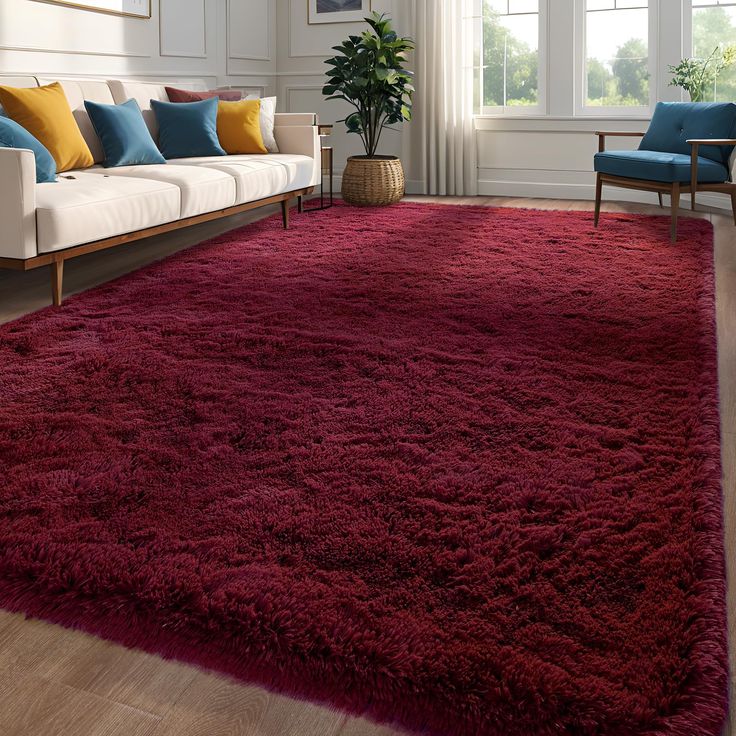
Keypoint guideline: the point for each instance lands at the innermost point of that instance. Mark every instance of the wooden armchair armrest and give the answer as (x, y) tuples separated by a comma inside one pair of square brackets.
[(695, 143), (712, 141), (602, 135)]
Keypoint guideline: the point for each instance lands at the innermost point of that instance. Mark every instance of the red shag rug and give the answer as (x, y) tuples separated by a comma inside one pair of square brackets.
[(455, 468)]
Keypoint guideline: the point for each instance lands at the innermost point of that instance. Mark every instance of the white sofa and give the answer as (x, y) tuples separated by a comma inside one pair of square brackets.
[(96, 208)]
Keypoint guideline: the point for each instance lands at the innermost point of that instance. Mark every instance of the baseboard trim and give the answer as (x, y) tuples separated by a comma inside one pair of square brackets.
[(554, 190)]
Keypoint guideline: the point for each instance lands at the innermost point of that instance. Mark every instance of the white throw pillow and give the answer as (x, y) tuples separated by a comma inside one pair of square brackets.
[(268, 121)]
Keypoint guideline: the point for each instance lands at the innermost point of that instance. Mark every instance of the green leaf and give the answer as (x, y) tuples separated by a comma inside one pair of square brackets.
[(367, 72)]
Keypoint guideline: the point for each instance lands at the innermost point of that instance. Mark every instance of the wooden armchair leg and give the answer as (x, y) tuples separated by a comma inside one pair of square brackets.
[(300, 204), (285, 213), (57, 282), (675, 210), (661, 201), (598, 196)]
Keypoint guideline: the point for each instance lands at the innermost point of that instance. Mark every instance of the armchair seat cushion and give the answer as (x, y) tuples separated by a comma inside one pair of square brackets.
[(658, 166)]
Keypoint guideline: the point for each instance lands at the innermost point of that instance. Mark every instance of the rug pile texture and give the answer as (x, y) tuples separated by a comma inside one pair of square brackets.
[(455, 468)]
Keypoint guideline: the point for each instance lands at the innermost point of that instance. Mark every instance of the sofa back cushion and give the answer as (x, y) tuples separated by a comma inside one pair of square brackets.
[(17, 80), (77, 91), (45, 113), (674, 123), (143, 92)]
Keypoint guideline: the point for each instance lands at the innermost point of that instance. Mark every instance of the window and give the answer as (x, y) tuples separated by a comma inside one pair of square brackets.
[(617, 54), (509, 71), (714, 29)]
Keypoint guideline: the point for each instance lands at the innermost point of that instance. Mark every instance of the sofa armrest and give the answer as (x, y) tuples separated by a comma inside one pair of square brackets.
[(17, 203), (302, 140), (295, 118)]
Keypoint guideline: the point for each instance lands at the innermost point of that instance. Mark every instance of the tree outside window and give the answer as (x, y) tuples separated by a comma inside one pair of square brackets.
[(510, 54), (714, 26), (617, 53)]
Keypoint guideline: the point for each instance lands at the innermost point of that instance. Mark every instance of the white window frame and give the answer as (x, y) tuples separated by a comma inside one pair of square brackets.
[(582, 109), (513, 111)]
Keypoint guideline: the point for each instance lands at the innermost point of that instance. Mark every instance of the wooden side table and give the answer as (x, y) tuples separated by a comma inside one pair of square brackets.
[(328, 170)]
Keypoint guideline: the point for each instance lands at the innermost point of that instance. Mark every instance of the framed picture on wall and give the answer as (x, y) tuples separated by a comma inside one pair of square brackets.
[(337, 11), (131, 8)]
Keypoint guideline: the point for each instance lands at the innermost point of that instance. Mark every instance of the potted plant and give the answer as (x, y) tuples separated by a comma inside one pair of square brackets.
[(699, 75), (368, 73)]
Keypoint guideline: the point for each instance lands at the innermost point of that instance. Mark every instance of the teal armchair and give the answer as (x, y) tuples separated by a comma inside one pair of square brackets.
[(686, 149)]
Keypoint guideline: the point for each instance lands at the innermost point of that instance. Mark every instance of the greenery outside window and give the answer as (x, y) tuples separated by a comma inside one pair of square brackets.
[(714, 26), (509, 74), (617, 57)]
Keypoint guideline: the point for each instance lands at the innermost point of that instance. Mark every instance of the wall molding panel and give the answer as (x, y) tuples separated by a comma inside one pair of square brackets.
[(74, 52), (240, 17), (188, 42)]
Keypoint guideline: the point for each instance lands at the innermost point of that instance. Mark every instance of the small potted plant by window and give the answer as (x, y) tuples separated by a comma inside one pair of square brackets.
[(368, 73), (699, 76)]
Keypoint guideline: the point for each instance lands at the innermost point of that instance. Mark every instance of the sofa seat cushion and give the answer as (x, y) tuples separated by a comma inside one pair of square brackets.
[(92, 207), (260, 176), (657, 166), (202, 189)]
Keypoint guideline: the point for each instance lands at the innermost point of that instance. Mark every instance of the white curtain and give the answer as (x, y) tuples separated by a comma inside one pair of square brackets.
[(445, 138)]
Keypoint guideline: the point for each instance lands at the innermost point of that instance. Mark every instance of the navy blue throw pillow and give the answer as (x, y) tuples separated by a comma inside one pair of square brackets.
[(188, 129)]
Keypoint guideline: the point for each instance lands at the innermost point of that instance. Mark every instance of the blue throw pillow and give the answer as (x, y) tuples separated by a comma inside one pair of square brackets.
[(124, 134), (188, 129), (13, 135)]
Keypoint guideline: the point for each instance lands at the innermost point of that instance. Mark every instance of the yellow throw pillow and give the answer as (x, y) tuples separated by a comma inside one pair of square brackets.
[(239, 126), (45, 113)]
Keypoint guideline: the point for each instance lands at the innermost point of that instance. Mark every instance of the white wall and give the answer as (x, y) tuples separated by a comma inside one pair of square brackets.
[(302, 50), (184, 40)]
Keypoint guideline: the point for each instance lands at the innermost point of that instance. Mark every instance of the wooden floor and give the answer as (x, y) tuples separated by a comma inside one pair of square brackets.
[(55, 682)]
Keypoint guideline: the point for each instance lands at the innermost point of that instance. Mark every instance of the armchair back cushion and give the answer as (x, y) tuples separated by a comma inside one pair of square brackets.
[(674, 123)]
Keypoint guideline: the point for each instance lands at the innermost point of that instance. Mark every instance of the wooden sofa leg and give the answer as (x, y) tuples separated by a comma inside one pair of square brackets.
[(598, 196), (675, 210), (57, 281), (300, 204), (285, 212)]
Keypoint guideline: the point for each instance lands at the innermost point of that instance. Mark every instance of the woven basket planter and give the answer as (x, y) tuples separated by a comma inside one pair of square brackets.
[(370, 182)]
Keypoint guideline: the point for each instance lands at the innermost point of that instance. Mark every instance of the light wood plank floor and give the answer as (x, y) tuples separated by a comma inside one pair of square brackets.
[(55, 682)]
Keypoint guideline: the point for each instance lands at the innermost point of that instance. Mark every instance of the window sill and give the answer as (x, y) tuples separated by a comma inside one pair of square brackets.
[(563, 118)]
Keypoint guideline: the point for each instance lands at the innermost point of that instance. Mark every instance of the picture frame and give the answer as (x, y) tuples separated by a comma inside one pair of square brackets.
[(320, 12), (126, 8)]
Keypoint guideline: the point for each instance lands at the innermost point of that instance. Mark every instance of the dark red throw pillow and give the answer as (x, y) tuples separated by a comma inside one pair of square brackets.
[(187, 95)]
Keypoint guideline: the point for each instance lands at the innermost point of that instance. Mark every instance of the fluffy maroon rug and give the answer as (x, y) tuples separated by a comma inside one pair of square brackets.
[(455, 468)]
